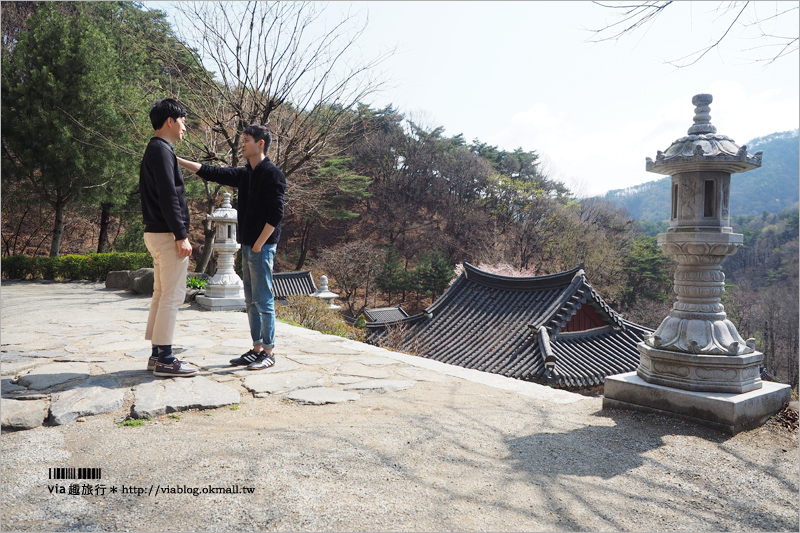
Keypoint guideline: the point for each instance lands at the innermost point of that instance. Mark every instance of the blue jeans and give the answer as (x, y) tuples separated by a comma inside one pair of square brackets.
[(259, 296)]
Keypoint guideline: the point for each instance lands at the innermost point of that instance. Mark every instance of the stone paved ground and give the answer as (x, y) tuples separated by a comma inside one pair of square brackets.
[(340, 436)]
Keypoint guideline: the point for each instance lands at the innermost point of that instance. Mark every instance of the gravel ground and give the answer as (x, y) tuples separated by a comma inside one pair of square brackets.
[(446, 455)]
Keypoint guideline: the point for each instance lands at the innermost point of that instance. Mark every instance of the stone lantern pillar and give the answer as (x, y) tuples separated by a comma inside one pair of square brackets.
[(225, 290), (696, 364)]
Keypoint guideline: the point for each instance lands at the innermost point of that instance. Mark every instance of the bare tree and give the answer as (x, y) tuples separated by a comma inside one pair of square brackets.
[(354, 266), (277, 64), (737, 17)]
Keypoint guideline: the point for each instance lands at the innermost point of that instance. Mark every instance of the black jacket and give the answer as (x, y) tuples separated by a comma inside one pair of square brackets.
[(162, 191), (261, 196)]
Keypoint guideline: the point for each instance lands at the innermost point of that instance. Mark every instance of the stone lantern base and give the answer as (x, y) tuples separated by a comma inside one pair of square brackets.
[(727, 412), (700, 373), (222, 297)]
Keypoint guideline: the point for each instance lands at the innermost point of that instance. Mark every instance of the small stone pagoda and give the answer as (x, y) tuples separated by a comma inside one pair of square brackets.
[(696, 365)]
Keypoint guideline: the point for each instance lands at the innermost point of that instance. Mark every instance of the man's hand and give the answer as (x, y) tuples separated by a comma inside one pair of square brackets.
[(184, 247), (256, 249)]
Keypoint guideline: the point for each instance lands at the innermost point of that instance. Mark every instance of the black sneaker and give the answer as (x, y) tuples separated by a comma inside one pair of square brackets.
[(175, 369), (245, 359), (264, 361)]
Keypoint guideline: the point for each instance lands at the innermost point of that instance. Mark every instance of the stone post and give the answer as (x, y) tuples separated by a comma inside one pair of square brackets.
[(225, 290)]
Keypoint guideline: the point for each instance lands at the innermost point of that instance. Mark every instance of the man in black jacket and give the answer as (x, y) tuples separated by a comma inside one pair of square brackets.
[(260, 210), (166, 234)]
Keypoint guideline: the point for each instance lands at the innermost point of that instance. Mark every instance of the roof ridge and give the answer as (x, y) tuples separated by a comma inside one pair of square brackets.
[(552, 310), (509, 282)]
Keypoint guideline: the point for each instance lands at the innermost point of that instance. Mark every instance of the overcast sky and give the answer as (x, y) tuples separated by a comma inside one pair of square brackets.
[(521, 74)]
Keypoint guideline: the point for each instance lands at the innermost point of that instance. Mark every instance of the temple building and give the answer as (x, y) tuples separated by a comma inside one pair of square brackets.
[(549, 329)]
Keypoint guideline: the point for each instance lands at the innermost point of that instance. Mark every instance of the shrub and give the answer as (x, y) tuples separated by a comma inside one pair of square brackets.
[(92, 267), (313, 313), (196, 282)]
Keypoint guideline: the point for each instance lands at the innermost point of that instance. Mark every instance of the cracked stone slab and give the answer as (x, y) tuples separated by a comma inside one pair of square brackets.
[(312, 359), (386, 385), (13, 337), (345, 380), (85, 358), (230, 352), (179, 394), (117, 348), (357, 369), (8, 386), (284, 382), (244, 344), (50, 375), (12, 368), (281, 365), (196, 343), (110, 367), (375, 361), (321, 396), (42, 354), (111, 338), (323, 348), (212, 362), (421, 374), (91, 397), (18, 414)]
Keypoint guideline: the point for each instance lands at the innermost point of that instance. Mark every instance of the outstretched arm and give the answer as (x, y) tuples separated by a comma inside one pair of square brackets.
[(191, 166), (225, 176)]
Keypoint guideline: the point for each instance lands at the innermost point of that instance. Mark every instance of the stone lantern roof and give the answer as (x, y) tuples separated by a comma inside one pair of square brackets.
[(225, 213), (703, 148)]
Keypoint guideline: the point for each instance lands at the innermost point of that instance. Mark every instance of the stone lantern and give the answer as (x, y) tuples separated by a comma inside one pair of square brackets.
[(696, 364), (325, 295), (224, 291)]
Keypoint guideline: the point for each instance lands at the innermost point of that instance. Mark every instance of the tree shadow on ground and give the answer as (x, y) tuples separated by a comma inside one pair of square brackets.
[(637, 451)]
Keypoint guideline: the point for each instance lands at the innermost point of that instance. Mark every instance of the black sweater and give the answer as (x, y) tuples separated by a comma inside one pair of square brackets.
[(261, 192), (162, 191)]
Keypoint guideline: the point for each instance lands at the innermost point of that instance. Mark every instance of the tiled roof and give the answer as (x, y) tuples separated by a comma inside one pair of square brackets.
[(512, 326), (385, 314), (293, 284)]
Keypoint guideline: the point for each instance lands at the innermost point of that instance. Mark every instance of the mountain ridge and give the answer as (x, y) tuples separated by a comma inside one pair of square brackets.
[(772, 187)]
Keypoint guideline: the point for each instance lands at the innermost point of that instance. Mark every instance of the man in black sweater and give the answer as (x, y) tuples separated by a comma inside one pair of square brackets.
[(166, 229), (260, 210)]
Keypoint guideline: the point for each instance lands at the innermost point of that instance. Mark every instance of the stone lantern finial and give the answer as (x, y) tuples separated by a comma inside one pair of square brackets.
[(702, 118)]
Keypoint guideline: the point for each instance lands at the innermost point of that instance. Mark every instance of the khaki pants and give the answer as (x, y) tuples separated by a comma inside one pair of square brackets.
[(169, 287)]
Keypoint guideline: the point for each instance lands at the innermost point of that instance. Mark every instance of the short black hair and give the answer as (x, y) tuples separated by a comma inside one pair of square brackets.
[(259, 133), (164, 109)]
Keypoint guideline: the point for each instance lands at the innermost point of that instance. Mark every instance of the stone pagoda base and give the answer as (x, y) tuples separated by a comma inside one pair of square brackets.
[(220, 304), (727, 412)]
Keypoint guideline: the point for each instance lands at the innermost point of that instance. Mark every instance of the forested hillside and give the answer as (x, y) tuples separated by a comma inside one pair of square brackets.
[(771, 188)]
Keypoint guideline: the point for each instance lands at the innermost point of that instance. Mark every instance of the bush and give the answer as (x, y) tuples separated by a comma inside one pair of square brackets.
[(92, 267), (313, 313), (196, 282)]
